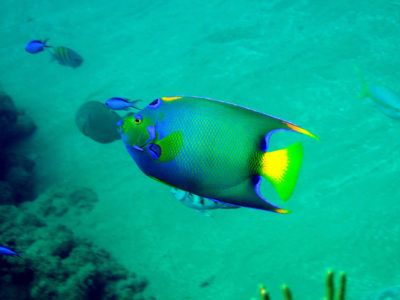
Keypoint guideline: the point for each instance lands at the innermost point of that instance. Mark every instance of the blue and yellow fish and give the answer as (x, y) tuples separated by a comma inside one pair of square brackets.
[(213, 149)]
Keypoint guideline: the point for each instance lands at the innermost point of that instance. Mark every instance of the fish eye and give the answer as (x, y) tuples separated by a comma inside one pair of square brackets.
[(138, 119)]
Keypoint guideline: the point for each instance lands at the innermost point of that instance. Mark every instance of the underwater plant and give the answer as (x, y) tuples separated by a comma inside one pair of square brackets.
[(331, 292)]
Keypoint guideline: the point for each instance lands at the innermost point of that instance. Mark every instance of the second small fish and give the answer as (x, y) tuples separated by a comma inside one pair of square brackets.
[(118, 103), (36, 46), (66, 56)]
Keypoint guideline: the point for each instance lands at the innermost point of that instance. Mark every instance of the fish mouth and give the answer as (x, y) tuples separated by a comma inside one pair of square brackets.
[(151, 130)]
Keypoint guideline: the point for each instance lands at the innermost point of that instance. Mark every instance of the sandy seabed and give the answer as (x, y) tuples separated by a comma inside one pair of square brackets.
[(292, 59)]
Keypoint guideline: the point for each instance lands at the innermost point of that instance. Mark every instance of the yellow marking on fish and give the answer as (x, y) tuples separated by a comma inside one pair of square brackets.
[(169, 99), (301, 130), (281, 168), (282, 211), (275, 164)]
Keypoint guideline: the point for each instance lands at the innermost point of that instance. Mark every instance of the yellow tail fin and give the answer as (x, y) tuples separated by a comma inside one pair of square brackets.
[(281, 168)]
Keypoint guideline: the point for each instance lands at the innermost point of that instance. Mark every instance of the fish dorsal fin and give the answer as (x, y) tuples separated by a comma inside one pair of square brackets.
[(170, 146)]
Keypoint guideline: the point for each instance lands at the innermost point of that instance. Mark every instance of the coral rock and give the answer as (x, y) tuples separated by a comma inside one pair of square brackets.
[(6, 193)]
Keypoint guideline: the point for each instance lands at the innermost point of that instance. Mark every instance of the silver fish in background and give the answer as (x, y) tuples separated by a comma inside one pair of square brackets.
[(66, 56), (384, 98), (198, 202)]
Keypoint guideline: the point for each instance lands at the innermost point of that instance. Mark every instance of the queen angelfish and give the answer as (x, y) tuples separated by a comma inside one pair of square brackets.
[(213, 149)]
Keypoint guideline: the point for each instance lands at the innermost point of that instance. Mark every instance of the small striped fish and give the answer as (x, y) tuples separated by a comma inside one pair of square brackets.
[(66, 56)]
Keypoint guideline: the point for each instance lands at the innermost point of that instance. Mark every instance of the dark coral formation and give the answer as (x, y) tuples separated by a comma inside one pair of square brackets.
[(55, 264), (16, 170), (15, 125)]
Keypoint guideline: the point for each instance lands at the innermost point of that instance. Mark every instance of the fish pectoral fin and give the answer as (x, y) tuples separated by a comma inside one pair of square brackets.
[(281, 168), (170, 146)]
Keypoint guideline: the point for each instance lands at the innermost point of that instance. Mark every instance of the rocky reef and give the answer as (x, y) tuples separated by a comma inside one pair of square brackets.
[(16, 170), (53, 262)]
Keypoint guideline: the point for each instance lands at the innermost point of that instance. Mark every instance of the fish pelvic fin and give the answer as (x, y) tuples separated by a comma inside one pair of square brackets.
[(281, 168)]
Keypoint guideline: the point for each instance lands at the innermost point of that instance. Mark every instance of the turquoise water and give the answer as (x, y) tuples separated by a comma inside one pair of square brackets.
[(292, 59)]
